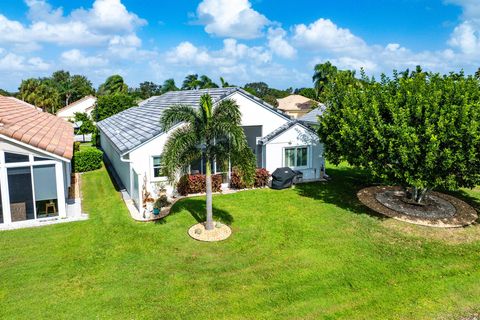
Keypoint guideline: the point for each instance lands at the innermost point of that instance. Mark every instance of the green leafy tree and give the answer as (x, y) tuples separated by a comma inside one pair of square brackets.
[(169, 85), (323, 73), (191, 82), (309, 93), (267, 94), (70, 88), (477, 74), (40, 94), (87, 123), (5, 93), (419, 130), (114, 84), (206, 83), (212, 132), (108, 105), (147, 89)]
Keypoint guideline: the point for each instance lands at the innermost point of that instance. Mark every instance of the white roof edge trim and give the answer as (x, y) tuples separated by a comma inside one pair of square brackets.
[(26, 145)]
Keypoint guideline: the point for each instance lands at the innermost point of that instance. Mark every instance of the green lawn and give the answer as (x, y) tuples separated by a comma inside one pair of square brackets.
[(307, 253)]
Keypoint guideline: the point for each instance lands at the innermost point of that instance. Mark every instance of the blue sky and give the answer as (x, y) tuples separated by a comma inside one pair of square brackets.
[(278, 42)]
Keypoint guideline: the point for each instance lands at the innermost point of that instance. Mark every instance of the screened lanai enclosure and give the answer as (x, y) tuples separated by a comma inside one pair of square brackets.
[(35, 169), (32, 187)]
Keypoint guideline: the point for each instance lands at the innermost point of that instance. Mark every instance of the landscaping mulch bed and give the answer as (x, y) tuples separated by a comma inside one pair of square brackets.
[(443, 211)]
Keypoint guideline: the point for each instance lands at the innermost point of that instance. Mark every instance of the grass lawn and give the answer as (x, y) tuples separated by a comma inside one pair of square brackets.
[(307, 253)]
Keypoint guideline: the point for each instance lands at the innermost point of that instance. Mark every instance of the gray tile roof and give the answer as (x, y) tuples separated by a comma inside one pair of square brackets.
[(132, 127), (312, 116), (272, 135)]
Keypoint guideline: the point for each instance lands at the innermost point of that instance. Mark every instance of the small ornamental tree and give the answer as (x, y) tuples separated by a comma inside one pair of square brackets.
[(418, 130)]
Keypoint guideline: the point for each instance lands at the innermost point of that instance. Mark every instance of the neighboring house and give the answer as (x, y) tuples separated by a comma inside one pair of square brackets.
[(133, 142), (311, 118), (296, 105), (35, 152), (84, 105)]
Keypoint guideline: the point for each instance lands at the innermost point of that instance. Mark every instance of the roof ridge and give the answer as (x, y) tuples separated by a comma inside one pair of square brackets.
[(68, 106)]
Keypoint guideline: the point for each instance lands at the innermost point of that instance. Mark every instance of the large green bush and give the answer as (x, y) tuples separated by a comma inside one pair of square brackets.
[(87, 160)]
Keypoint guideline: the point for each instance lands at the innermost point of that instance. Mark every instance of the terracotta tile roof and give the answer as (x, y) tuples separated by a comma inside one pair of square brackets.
[(296, 102), (36, 128)]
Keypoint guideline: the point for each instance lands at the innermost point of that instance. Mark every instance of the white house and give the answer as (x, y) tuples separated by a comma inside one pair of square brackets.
[(35, 153), (84, 105), (133, 142)]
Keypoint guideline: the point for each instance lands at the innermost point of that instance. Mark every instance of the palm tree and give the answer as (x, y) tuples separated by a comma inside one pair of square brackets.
[(206, 83), (477, 74), (224, 83), (212, 132), (169, 85), (191, 82), (321, 75)]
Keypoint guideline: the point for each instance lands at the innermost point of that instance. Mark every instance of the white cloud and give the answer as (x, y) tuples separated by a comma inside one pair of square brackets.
[(278, 44), (14, 62), (109, 15), (106, 20), (77, 58), (231, 18), (324, 35)]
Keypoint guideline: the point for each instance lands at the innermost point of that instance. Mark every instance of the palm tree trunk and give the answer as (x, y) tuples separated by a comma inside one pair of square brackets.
[(208, 178)]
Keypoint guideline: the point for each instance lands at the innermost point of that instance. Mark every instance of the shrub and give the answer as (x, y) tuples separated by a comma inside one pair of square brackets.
[(76, 146), (261, 177), (237, 180), (189, 184), (87, 160), (161, 202)]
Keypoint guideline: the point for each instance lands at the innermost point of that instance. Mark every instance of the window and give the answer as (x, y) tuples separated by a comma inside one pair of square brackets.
[(45, 188), (157, 167), (15, 157), (296, 157)]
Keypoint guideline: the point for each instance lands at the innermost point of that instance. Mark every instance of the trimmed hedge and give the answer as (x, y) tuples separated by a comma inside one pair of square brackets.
[(189, 184), (261, 179), (87, 160)]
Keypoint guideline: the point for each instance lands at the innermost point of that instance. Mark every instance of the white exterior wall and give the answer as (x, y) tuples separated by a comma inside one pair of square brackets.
[(296, 136), (122, 168), (254, 114), (142, 163), (69, 111)]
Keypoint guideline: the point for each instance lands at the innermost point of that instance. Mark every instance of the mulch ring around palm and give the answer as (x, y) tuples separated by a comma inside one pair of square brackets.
[(441, 210), (219, 232)]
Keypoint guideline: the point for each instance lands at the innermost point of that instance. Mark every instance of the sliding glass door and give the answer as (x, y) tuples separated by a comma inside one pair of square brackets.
[(20, 193)]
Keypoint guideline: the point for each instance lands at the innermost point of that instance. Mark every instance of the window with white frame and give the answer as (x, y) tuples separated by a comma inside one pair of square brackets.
[(296, 157), (157, 167)]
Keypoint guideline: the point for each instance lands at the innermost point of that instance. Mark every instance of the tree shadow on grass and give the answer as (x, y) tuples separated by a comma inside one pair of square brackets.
[(198, 209), (341, 190)]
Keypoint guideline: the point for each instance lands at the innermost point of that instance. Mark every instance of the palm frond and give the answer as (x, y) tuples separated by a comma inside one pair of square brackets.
[(179, 150), (176, 114)]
